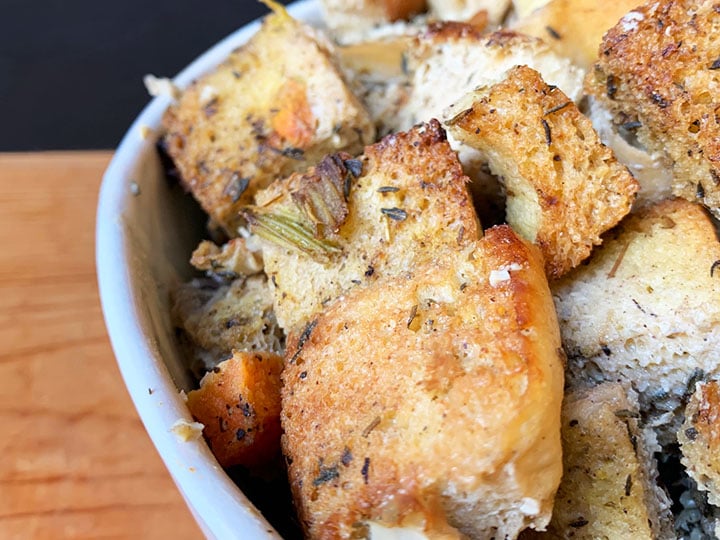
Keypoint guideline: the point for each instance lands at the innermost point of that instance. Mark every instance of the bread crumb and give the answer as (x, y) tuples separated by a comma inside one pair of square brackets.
[(207, 94), (630, 21), (160, 86), (187, 431), (145, 131), (498, 276), (529, 506)]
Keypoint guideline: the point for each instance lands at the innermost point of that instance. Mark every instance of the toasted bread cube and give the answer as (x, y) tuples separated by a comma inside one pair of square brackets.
[(430, 400), (574, 28), (645, 310), (219, 318), (277, 105), (700, 439), (457, 58), (239, 404), (609, 487), (408, 203), (564, 187), (658, 69), (468, 10), (352, 20)]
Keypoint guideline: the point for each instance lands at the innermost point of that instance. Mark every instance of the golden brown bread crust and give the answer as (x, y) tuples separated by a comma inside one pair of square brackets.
[(659, 66), (410, 203), (239, 404), (564, 187), (700, 439), (276, 105), (430, 399)]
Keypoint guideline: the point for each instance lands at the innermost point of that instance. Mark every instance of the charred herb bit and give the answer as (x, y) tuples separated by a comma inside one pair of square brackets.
[(370, 271), (240, 434), (634, 124), (346, 457), (637, 304), (302, 340), (235, 187), (580, 522), (289, 230), (628, 485), (413, 314), (557, 108), (715, 64), (700, 191), (354, 166), (606, 350), (624, 414), (691, 433), (247, 410), (714, 266), (388, 189), (553, 33), (611, 86), (398, 214), (293, 153), (659, 100), (548, 133), (365, 470), (326, 474), (372, 425)]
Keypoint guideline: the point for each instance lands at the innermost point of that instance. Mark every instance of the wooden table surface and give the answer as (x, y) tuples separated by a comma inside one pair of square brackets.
[(76, 461)]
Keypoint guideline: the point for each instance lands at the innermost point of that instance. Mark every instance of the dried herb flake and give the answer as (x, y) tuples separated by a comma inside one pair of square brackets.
[(553, 33), (558, 108), (365, 469), (326, 474), (309, 327), (714, 267), (372, 425), (548, 133), (398, 214)]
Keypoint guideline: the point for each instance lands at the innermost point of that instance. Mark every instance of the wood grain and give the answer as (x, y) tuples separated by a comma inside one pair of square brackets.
[(76, 461)]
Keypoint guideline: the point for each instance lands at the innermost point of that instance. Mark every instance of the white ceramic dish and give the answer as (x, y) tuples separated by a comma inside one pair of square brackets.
[(145, 233)]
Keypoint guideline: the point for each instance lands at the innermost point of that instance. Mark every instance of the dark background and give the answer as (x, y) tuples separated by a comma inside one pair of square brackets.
[(71, 70)]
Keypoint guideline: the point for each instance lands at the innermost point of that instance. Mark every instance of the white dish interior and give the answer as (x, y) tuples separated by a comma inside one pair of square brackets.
[(145, 233)]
